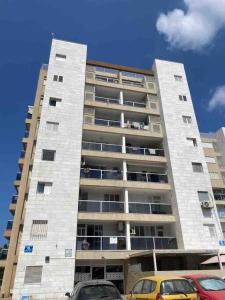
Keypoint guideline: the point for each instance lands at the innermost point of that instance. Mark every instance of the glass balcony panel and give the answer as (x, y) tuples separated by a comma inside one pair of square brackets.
[(112, 174), (101, 243), (142, 243), (163, 209), (90, 173), (103, 122), (165, 243), (91, 146), (89, 206), (139, 208), (112, 206), (9, 225), (112, 148), (107, 100), (113, 243), (14, 199), (18, 176), (134, 104)]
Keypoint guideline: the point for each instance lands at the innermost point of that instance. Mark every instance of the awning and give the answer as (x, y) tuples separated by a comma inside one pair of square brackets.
[(214, 260)]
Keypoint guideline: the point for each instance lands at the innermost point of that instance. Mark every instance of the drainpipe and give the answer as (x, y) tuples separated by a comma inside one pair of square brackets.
[(154, 261)]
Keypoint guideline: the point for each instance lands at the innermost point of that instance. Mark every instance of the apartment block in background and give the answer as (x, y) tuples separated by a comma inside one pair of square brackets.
[(112, 179)]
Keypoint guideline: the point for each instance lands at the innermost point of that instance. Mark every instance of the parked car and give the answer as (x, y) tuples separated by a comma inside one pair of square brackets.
[(94, 290), (162, 288), (208, 287)]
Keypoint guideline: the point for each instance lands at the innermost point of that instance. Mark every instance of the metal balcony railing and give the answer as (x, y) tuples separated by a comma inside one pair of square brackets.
[(18, 176), (133, 83), (14, 199), (134, 104), (144, 151), (101, 243), (219, 197), (147, 177), (106, 79), (106, 70), (149, 243), (101, 147), (101, 174), (150, 208), (100, 206), (107, 100), (110, 123), (9, 225)]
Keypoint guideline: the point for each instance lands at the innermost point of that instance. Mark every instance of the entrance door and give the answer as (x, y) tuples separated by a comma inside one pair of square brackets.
[(98, 273)]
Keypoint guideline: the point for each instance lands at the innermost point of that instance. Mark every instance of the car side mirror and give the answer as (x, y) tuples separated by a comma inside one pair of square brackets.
[(67, 294)]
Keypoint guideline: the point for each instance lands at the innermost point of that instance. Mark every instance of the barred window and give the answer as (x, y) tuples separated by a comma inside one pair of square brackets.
[(48, 155), (197, 167), (39, 229)]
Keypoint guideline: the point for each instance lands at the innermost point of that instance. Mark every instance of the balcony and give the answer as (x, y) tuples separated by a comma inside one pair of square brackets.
[(109, 123), (101, 174), (106, 79), (9, 225), (150, 243), (144, 151), (22, 154), (101, 147), (150, 208), (18, 176), (147, 177), (100, 206), (101, 243), (14, 199), (107, 100), (26, 134)]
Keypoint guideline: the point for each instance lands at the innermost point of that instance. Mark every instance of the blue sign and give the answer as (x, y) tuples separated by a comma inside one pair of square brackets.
[(222, 242), (28, 249), (25, 298)]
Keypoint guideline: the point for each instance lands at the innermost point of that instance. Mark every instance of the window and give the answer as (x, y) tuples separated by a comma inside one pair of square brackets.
[(210, 160), (187, 119), (48, 155), (60, 57), (33, 275), (182, 98), (44, 188), (192, 142), (148, 286), (52, 126), (138, 287), (54, 101), (41, 99), (114, 269), (39, 229), (203, 196), (58, 78), (197, 167), (111, 197), (178, 77)]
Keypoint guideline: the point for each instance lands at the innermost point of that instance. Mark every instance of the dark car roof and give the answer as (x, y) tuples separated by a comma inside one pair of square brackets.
[(198, 276), (93, 282)]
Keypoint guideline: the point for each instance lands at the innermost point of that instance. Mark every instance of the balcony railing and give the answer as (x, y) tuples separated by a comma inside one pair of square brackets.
[(22, 154), (150, 208), (144, 151), (149, 243), (107, 100), (101, 243), (103, 122), (147, 177), (221, 214), (18, 176), (101, 147), (134, 104), (133, 83), (9, 225), (219, 197), (29, 116), (14, 199), (106, 79), (101, 174), (100, 206), (26, 134)]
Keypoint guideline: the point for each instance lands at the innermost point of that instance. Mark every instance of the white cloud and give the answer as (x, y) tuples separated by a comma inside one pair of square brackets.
[(194, 28), (218, 98)]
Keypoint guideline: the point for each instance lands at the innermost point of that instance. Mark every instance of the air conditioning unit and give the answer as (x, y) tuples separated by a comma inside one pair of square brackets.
[(207, 204), (132, 231)]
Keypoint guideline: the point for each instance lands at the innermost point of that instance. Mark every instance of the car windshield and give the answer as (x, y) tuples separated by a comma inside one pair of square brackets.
[(96, 292), (176, 286), (212, 284)]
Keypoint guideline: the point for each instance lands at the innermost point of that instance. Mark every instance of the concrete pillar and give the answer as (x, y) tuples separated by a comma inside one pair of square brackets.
[(121, 97), (123, 144), (124, 170), (128, 244), (122, 119), (126, 201), (154, 261)]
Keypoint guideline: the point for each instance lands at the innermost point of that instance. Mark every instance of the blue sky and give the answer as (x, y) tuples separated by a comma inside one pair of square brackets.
[(126, 32)]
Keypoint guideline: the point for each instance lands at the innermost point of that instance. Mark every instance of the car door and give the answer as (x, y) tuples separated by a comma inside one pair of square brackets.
[(136, 291), (148, 289)]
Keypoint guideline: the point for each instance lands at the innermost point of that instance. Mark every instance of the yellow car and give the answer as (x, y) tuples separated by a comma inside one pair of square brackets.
[(162, 288)]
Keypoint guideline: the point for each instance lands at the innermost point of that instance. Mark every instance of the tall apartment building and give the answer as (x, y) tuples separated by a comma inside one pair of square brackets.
[(112, 178), (214, 149)]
